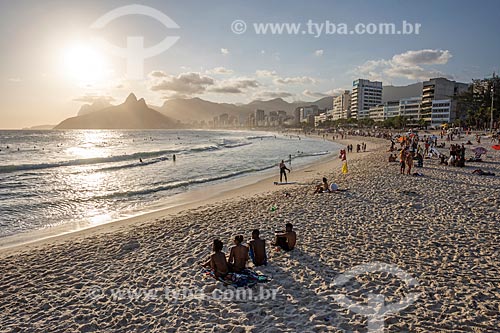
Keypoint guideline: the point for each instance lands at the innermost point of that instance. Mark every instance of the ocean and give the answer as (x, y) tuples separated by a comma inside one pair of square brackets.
[(88, 177)]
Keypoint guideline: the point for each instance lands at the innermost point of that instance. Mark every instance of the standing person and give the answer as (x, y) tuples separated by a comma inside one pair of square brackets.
[(173, 157), (283, 170), (402, 161), (409, 162)]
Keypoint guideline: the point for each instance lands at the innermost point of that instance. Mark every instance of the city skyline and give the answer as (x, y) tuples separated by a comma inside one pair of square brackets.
[(50, 67)]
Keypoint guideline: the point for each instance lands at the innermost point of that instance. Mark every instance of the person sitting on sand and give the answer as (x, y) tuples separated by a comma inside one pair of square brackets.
[(482, 173), (238, 256), (323, 187), (257, 249), (392, 158), (217, 261), (286, 240)]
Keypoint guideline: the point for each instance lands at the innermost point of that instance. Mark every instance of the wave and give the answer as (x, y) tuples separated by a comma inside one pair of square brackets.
[(184, 183), (121, 158), (256, 137)]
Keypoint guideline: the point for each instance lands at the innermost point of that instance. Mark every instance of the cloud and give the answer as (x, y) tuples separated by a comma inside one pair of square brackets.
[(235, 86), (273, 94), (93, 98), (406, 65), (14, 79), (422, 57), (184, 84), (265, 73), (224, 51), (220, 70), (158, 74), (294, 80), (318, 53), (316, 94)]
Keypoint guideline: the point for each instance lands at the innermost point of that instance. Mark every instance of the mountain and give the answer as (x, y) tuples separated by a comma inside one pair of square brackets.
[(98, 105), (132, 114), (187, 110), (393, 93)]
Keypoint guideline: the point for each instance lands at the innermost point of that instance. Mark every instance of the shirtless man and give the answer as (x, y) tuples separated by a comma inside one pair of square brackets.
[(286, 240), (409, 163), (238, 256), (217, 261), (257, 249)]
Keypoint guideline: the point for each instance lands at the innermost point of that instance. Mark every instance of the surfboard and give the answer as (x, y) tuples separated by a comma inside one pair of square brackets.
[(284, 183)]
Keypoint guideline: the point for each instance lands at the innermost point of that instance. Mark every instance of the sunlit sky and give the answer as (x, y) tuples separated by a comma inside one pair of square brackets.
[(50, 63)]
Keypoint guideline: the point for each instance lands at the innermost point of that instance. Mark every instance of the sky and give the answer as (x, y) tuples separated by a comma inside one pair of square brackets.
[(54, 55)]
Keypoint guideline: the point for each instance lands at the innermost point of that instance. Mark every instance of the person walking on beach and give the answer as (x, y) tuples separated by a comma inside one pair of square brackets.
[(283, 170)]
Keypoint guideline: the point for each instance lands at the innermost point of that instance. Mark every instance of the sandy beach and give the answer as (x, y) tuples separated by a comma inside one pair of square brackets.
[(441, 231)]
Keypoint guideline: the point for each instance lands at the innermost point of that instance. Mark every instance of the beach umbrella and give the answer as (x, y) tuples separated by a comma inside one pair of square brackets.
[(496, 147), (480, 150)]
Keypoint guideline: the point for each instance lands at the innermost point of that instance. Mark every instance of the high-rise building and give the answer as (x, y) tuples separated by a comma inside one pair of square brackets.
[(306, 112), (260, 117), (365, 95), (342, 106), (440, 89)]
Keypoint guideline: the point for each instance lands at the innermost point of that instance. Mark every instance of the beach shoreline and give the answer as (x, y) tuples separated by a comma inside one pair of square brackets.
[(178, 204), (428, 244)]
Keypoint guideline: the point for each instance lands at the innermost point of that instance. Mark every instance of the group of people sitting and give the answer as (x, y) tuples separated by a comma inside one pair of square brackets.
[(255, 250), (457, 156)]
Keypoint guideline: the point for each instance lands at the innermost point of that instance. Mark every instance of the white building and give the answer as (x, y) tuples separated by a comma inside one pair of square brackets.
[(365, 95), (342, 106), (441, 112), (383, 111), (320, 118), (410, 108)]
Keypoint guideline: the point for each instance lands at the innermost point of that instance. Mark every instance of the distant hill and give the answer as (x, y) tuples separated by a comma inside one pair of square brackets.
[(97, 105), (132, 114), (40, 127), (136, 114), (187, 110), (393, 93)]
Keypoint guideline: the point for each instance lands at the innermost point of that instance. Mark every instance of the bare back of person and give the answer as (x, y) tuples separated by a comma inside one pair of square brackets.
[(219, 264), (259, 251), (238, 257)]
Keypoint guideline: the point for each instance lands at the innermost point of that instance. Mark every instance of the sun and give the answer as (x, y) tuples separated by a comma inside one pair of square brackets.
[(84, 64)]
